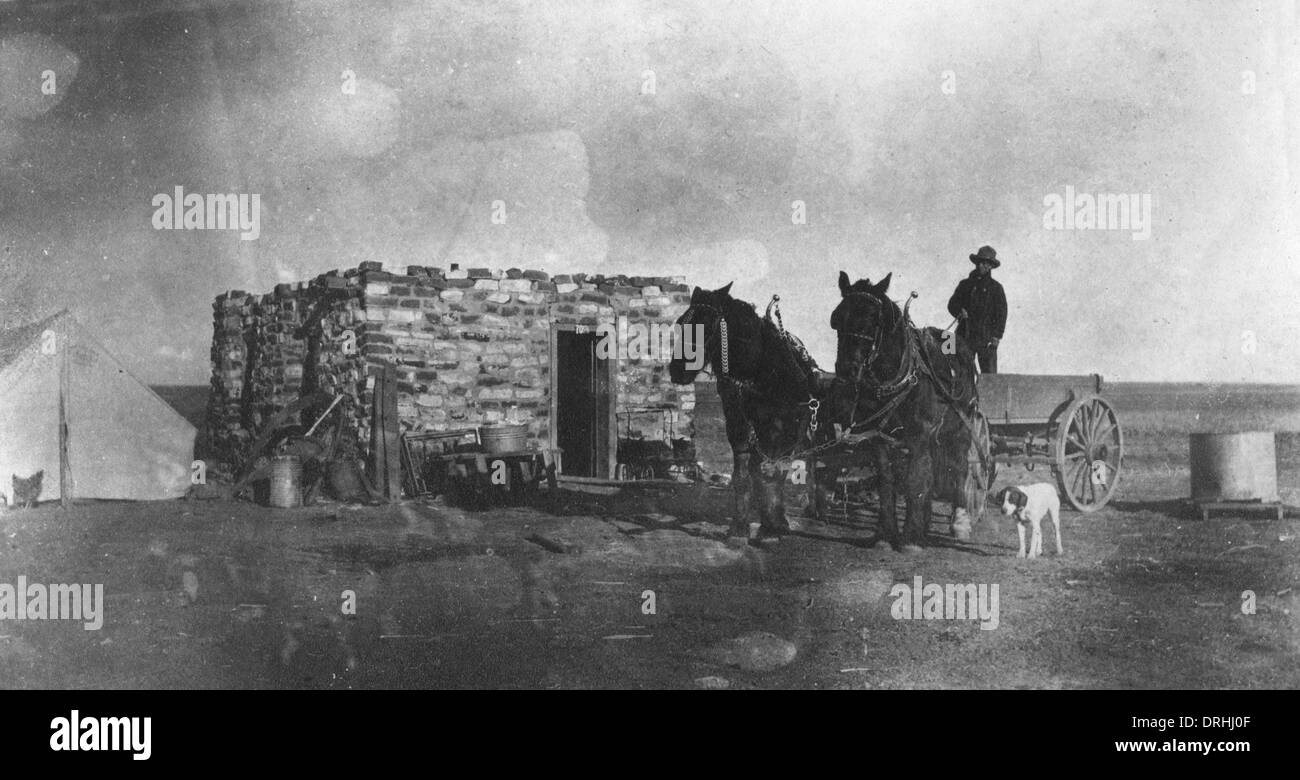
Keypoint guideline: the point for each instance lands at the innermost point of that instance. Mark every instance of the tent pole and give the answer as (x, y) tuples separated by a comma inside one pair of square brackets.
[(65, 464)]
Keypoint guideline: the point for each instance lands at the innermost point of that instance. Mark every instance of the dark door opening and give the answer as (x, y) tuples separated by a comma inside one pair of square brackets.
[(582, 394)]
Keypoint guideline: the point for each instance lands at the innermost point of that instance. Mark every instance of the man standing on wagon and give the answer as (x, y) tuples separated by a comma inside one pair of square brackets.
[(980, 306)]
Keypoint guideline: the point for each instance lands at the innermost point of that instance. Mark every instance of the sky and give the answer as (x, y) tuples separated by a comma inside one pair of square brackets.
[(672, 138)]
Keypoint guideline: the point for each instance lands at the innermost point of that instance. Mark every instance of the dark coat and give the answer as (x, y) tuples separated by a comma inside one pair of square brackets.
[(982, 297)]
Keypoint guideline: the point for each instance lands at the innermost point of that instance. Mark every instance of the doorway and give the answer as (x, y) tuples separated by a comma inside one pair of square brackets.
[(581, 386)]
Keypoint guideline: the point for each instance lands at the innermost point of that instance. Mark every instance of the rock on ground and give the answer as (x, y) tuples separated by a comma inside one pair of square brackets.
[(759, 651), (861, 587)]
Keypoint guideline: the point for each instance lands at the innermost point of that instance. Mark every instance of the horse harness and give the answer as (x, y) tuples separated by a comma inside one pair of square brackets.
[(750, 387), (912, 364), (895, 390)]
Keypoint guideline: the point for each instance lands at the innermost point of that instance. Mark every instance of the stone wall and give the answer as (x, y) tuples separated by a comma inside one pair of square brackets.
[(470, 346), (269, 350)]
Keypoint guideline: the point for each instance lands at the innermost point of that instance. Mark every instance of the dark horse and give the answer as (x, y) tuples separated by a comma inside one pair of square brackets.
[(770, 389), (915, 386)]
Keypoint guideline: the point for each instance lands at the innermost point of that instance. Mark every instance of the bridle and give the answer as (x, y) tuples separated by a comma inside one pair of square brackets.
[(911, 365), (892, 392), (860, 369), (686, 319)]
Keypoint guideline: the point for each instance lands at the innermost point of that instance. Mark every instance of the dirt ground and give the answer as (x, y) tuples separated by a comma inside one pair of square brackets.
[(232, 595)]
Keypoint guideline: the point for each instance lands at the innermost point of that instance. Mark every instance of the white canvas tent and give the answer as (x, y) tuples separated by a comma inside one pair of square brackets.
[(69, 408)]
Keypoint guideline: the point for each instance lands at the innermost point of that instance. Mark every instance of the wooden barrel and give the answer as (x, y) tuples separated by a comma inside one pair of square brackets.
[(1234, 466), (286, 481)]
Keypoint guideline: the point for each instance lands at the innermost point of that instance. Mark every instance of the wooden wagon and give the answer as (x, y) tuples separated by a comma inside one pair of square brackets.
[(1058, 422)]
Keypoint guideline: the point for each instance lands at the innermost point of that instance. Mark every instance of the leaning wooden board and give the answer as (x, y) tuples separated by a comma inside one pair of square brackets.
[(385, 436), (392, 436)]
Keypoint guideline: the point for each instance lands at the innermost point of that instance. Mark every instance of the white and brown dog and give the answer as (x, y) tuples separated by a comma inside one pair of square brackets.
[(1028, 504)]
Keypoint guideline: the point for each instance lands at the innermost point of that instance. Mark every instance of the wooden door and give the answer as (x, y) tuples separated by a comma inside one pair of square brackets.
[(582, 389)]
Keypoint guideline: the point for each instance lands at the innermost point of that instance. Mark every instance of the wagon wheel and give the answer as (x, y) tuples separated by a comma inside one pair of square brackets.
[(1089, 453), (981, 471)]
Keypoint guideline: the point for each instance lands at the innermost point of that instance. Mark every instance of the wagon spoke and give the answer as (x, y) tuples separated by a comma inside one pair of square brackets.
[(1074, 479), (1103, 432), (1096, 415), (1099, 416), (1080, 489), (1076, 430), (1111, 424), (1104, 425), (1068, 475), (1085, 477), (1089, 434)]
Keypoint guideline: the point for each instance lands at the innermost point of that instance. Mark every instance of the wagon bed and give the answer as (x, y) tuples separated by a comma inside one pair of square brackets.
[(1058, 421)]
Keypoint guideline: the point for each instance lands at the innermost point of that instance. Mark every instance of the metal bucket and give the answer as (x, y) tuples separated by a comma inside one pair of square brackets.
[(503, 438), (286, 481), (1234, 466)]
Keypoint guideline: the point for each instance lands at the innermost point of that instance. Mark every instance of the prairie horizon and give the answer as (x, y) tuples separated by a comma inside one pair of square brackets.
[(1156, 407)]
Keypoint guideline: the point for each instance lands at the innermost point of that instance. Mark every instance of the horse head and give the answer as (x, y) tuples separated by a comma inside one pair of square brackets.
[(863, 319), (694, 329)]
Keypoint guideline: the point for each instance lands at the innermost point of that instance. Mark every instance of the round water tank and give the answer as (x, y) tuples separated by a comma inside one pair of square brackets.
[(1234, 466)]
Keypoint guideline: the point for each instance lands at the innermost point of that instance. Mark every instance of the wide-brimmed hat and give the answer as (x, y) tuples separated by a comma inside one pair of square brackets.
[(986, 254)]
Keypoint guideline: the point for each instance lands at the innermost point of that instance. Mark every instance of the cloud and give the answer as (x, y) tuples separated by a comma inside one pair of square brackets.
[(545, 108), (36, 73), (172, 353)]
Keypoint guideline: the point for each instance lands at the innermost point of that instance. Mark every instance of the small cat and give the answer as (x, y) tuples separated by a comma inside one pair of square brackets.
[(27, 490)]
